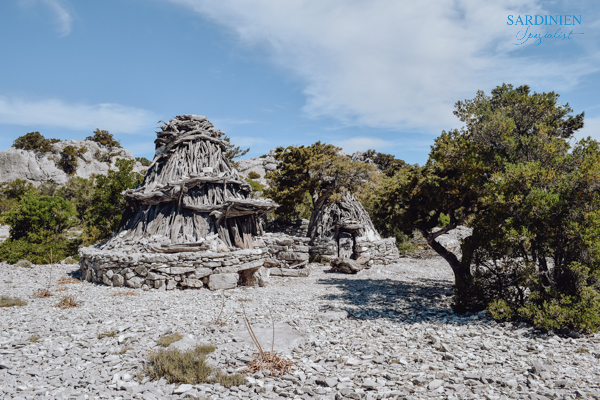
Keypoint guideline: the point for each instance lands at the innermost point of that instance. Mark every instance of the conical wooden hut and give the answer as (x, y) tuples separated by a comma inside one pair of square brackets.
[(191, 192), (345, 222)]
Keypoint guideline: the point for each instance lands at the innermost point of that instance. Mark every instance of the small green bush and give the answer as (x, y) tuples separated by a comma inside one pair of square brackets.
[(40, 216), (68, 158), (188, 367), (11, 302), (23, 264), (12, 251), (253, 175), (257, 187), (144, 161), (104, 139), (106, 204), (34, 141), (166, 340)]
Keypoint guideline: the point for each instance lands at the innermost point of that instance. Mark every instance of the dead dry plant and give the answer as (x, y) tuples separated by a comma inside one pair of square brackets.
[(272, 361), (66, 281), (41, 293), (67, 301), (218, 321), (128, 293)]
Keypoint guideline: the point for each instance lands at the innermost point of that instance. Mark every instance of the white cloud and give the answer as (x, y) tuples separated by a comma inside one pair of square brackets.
[(362, 144), (397, 64), (56, 113), (62, 16)]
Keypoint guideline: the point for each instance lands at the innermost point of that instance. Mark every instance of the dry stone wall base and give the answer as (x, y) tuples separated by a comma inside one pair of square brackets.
[(273, 255)]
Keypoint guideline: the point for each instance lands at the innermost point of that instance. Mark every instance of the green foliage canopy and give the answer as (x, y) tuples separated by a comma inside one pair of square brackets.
[(104, 138), (34, 141), (531, 200), (106, 208), (311, 175)]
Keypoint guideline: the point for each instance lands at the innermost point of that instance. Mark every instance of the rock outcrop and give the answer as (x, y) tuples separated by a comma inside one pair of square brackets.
[(37, 168)]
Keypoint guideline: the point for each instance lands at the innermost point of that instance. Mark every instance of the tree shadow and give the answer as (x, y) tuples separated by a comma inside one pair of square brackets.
[(397, 301)]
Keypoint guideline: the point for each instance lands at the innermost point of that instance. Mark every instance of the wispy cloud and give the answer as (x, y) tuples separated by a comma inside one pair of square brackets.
[(56, 113), (59, 8), (398, 64)]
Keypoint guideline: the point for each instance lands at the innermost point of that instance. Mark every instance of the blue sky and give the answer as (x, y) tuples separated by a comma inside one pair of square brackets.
[(377, 74)]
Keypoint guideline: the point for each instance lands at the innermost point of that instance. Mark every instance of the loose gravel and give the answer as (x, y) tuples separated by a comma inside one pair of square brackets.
[(387, 332)]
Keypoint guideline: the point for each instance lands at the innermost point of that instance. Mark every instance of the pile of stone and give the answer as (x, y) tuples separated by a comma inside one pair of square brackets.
[(273, 254), (297, 227)]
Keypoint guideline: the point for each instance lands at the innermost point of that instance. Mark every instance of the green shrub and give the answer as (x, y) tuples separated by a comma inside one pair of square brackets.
[(38, 225), (68, 158), (104, 138), (107, 205), (188, 367), (34, 141), (40, 217), (23, 264), (12, 250), (48, 188), (79, 192), (256, 186), (144, 161), (253, 175)]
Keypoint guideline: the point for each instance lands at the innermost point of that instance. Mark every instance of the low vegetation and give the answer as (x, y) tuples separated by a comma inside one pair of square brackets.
[(67, 301), (34, 141), (104, 138), (166, 340), (188, 367), (6, 301), (107, 334)]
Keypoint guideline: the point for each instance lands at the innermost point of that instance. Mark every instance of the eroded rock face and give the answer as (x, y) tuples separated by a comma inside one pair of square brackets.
[(38, 168)]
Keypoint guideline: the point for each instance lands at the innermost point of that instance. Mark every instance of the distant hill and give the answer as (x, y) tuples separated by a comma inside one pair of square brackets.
[(39, 167)]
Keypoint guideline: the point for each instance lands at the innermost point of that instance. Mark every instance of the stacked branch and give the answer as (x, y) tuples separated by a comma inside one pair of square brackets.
[(345, 215), (191, 192)]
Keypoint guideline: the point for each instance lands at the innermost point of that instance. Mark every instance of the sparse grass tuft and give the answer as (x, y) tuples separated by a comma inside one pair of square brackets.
[(67, 301), (124, 350), (107, 334), (582, 350), (34, 338), (166, 340), (24, 264), (188, 367), (66, 281), (11, 302), (128, 293), (40, 294)]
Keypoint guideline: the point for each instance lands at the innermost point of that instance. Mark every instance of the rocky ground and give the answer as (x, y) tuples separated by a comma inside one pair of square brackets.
[(387, 332)]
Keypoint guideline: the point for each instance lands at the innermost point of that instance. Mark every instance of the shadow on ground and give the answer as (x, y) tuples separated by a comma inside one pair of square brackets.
[(415, 301)]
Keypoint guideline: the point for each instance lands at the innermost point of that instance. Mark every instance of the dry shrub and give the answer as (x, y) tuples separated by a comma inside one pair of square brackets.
[(67, 301), (188, 367), (41, 293), (11, 302), (128, 293), (266, 360), (66, 281), (34, 338), (62, 289), (166, 340), (107, 334)]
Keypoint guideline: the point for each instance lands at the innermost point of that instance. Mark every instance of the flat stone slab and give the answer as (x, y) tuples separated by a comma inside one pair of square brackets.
[(286, 337)]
